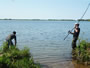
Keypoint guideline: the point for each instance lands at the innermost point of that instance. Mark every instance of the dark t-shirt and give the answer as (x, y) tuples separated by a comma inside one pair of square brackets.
[(10, 37), (76, 34)]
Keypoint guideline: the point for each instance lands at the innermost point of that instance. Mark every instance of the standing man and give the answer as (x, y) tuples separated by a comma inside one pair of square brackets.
[(75, 35), (10, 38)]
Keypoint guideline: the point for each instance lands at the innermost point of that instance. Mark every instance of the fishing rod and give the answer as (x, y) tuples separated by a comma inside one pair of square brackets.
[(79, 19)]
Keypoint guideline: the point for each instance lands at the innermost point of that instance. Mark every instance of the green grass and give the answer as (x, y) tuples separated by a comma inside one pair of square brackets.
[(13, 57), (82, 52)]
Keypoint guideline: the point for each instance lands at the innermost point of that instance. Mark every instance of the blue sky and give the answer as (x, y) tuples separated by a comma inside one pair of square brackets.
[(43, 9)]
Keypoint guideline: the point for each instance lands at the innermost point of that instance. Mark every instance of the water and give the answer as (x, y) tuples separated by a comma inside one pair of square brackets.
[(45, 39)]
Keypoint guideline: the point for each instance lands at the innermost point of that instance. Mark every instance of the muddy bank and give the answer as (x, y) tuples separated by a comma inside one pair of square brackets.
[(63, 64)]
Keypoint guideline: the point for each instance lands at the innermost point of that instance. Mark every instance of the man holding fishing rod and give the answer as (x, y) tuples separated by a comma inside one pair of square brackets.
[(75, 34)]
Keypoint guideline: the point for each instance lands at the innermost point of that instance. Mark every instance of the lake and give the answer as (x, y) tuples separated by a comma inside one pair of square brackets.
[(45, 39)]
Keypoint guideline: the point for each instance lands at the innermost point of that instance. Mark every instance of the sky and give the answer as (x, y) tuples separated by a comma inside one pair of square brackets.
[(44, 9)]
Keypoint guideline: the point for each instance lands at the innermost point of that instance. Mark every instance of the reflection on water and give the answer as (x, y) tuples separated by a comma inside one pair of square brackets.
[(45, 40)]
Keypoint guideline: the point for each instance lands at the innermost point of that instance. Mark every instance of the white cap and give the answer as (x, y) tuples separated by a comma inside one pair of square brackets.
[(76, 23)]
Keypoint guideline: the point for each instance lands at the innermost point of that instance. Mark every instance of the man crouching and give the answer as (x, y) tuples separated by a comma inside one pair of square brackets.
[(10, 38)]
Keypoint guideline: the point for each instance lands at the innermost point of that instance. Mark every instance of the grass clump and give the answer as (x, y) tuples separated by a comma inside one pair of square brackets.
[(82, 52), (13, 57)]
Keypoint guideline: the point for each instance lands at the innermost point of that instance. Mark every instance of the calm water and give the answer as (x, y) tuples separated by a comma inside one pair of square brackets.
[(45, 39)]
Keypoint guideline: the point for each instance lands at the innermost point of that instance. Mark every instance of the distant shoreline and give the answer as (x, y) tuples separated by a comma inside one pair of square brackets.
[(48, 19)]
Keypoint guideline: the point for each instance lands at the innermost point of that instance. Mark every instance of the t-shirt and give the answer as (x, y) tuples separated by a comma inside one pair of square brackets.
[(10, 37), (76, 34)]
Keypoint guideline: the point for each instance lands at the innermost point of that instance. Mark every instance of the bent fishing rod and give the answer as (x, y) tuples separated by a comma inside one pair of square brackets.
[(79, 19)]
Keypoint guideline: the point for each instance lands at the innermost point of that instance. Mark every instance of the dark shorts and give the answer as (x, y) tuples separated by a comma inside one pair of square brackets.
[(74, 43), (9, 42)]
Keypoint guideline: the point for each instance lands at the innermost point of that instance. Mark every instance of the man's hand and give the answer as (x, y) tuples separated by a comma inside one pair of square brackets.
[(69, 32)]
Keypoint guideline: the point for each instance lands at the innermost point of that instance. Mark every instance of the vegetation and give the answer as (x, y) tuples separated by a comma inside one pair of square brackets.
[(61, 20), (46, 19), (12, 57), (82, 52), (40, 19), (83, 19)]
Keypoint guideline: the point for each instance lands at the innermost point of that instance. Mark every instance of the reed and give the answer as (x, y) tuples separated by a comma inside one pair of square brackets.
[(13, 57), (82, 52)]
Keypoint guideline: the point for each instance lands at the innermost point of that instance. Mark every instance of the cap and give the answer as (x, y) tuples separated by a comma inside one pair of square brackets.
[(14, 32), (76, 23)]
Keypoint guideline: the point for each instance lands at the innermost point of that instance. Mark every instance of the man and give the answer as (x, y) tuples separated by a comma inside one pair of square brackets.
[(10, 38), (75, 35)]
